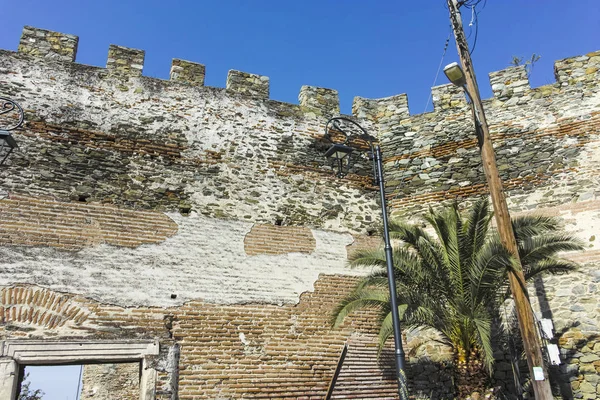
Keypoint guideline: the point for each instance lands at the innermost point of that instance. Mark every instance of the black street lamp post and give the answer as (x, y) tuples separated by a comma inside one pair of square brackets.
[(340, 152)]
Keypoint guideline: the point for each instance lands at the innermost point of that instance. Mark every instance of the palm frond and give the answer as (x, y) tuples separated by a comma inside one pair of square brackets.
[(483, 327), (477, 227), (376, 280), (550, 265), (420, 241), (537, 248), (447, 226), (357, 300), (367, 258), (406, 232), (533, 225), (488, 272)]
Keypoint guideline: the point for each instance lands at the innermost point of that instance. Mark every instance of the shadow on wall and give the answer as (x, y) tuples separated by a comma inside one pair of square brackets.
[(577, 377), (430, 379), (579, 374)]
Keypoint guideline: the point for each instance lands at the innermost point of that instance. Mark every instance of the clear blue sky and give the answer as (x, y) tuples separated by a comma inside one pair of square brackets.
[(59, 382), (367, 48)]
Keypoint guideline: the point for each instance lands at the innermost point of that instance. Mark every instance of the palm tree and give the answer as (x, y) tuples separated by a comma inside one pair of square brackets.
[(456, 282)]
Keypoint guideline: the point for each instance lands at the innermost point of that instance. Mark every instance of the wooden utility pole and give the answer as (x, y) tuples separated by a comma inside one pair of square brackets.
[(531, 340)]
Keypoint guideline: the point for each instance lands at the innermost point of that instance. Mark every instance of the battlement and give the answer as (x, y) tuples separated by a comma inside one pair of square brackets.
[(509, 82), (125, 61), (248, 84), (447, 96), (48, 44), (509, 85)]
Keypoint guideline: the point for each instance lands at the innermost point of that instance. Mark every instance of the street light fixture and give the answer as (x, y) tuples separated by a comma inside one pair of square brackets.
[(340, 152), (457, 77), (455, 74), (8, 122)]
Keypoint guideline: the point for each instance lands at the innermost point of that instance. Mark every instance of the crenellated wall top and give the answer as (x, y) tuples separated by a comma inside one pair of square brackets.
[(508, 85)]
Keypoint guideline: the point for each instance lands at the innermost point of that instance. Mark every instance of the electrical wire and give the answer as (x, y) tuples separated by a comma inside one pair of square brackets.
[(476, 17), (439, 67), (79, 382), (469, 3), (475, 20)]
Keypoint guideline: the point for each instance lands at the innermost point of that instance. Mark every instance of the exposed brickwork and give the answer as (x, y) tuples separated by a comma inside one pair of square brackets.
[(33, 221), (96, 140), (273, 239), (238, 351), (364, 242), (42, 307), (254, 351)]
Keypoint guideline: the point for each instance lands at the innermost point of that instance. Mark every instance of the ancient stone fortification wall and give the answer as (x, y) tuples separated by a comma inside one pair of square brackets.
[(143, 209), (111, 135)]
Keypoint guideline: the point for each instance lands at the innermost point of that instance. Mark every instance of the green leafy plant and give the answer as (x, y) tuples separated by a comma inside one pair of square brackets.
[(26, 393), (529, 63), (456, 281)]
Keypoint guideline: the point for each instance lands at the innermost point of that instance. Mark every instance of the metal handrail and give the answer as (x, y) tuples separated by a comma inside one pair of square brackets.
[(338, 368)]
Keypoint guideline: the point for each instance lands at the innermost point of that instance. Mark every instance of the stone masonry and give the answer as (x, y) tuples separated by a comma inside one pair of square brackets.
[(208, 220)]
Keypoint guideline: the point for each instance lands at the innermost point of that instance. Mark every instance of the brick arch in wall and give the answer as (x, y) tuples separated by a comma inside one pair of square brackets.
[(36, 306)]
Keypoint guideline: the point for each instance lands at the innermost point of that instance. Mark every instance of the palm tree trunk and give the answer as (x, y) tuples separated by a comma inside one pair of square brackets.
[(470, 373)]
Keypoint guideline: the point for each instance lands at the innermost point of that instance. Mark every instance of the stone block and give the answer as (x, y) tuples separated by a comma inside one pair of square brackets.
[(447, 96), (323, 101), (578, 71), (376, 109), (248, 84), (125, 61), (48, 44), (187, 72), (509, 82)]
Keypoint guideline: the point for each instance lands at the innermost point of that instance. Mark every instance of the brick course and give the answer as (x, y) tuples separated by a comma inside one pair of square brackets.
[(273, 239), (33, 221)]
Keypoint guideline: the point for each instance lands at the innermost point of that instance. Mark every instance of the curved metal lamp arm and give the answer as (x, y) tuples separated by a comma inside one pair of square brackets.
[(364, 136), (8, 105), (335, 122)]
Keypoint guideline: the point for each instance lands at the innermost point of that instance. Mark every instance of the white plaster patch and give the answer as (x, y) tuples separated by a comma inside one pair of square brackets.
[(204, 260)]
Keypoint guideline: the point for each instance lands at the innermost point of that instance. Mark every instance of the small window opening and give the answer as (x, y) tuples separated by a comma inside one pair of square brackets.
[(81, 382)]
